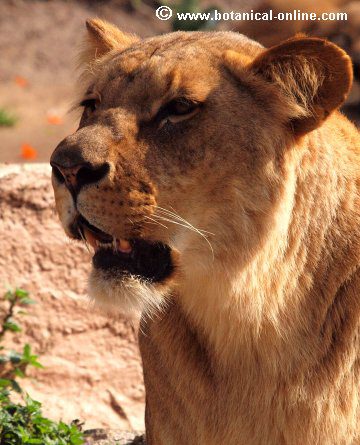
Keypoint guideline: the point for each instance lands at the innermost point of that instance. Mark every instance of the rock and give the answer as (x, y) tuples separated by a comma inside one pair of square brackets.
[(92, 365)]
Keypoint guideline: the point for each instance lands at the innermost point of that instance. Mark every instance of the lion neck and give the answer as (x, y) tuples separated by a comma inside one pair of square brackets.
[(266, 310)]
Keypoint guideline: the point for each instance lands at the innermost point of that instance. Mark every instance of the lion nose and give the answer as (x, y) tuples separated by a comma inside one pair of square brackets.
[(79, 159), (76, 176)]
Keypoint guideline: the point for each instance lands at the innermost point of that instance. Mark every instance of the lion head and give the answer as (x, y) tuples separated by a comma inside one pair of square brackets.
[(178, 165)]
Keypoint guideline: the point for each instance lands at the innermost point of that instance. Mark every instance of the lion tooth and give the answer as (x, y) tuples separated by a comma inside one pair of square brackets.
[(124, 246), (89, 238)]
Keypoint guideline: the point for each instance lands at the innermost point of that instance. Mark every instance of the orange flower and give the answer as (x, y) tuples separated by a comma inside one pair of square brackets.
[(28, 152), (54, 119), (21, 81)]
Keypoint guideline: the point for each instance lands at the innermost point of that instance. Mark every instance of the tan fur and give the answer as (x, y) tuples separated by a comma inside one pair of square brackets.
[(254, 340)]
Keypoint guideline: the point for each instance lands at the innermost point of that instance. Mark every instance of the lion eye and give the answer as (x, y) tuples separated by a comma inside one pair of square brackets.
[(179, 107), (177, 110)]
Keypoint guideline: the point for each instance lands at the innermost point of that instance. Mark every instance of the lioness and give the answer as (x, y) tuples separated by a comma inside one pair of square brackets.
[(219, 187)]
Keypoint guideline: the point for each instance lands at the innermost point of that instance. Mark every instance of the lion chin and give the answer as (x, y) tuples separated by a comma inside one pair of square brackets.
[(129, 295), (128, 276)]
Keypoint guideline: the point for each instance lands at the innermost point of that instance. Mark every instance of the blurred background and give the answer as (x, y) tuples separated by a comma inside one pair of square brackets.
[(39, 42)]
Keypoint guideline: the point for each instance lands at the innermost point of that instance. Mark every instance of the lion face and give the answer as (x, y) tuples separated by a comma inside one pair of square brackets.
[(177, 163)]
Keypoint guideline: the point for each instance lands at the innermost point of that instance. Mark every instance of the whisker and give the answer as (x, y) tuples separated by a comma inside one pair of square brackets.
[(190, 227), (163, 218), (162, 210), (205, 231), (156, 222)]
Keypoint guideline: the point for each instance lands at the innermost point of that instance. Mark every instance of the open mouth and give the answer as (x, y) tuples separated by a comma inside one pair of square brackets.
[(147, 260)]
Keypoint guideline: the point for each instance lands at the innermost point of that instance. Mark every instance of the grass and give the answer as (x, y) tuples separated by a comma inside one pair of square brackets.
[(7, 119)]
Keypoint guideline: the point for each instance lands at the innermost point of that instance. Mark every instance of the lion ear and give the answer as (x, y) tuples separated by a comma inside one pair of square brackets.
[(313, 73), (103, 37)]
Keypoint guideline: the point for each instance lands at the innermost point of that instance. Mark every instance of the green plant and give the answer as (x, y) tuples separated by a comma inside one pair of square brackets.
[(23, 423), (7, 119), (14, 364)]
